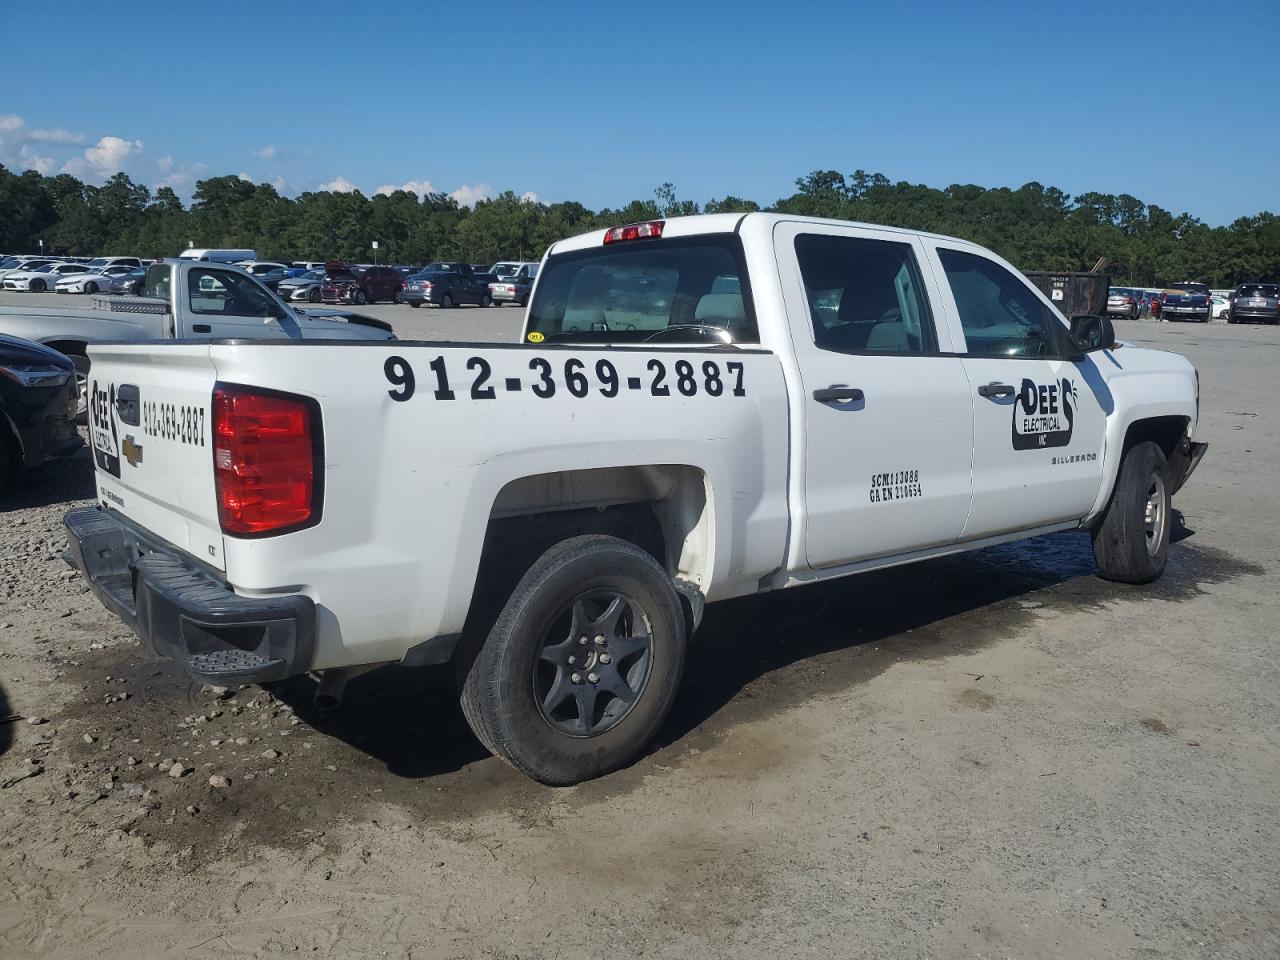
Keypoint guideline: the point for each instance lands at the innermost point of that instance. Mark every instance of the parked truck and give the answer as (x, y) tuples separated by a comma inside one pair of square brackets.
[(182, 300), (698, 408)]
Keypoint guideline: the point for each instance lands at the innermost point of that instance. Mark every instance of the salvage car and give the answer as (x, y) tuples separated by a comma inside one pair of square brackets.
[(1255, 303), (306, 286), (699, 408), (445, 285), (96, 281), (344, 283), (41, 279), (37, 406), (1186, 301), (1123, 302), (129, 284)]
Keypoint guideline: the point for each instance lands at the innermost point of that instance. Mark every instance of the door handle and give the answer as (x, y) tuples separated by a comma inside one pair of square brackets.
[(838, 394), (200, 328), (994, 389)]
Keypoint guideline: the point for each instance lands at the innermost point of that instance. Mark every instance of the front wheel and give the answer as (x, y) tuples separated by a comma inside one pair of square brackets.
[(37, 286), (360, 298), (582, 665), (486, 300), (91, 287), (446, 302), (1131, 544), (314, 295)]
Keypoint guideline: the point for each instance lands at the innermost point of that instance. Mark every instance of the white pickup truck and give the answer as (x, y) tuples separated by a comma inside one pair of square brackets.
[(701, 408)]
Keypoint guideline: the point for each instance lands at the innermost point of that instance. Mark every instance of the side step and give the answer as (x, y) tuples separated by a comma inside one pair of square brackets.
[(224, 667)]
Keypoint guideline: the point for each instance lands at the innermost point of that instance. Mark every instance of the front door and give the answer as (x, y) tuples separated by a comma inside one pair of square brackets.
[(1039, 417), (888, 420)]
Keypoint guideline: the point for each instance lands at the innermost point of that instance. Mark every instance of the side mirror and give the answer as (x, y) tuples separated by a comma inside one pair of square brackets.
[(1090, 333)]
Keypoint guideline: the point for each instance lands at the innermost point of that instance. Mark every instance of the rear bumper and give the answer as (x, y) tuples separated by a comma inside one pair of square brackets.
[(1254, 313), (186, 614)]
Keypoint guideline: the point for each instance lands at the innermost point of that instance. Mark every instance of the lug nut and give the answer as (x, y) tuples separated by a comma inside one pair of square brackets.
[(593, 677), (605, 658), (575, 678), (582, 641), (572, 658), (599, 641)]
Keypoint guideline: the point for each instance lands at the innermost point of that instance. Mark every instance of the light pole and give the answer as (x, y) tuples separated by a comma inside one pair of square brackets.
[(375, 253)]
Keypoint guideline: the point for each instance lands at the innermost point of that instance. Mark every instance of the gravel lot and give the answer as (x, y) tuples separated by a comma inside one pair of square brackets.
[(989, 756)]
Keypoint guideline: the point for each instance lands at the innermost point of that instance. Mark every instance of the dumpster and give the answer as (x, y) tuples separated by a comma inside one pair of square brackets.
[(1074, 294)]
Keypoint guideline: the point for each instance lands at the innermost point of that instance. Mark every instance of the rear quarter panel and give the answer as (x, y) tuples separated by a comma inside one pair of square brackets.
[(411, 475)]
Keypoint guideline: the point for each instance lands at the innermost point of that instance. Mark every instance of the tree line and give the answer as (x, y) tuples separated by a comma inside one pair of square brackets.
[(1034, 227)]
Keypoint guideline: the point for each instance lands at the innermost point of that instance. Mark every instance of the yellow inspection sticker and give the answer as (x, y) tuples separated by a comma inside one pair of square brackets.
[(536, 337)]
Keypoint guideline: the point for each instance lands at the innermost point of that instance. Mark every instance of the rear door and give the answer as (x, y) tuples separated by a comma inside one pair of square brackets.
[(151, 432), (226, 303), (888, 415), (1039, 417)]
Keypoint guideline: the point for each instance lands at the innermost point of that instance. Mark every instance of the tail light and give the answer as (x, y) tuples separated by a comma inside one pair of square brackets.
[(267, 461), (651, 230)]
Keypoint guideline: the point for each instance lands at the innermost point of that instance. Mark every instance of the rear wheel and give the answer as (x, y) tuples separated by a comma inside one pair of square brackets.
[(446, 301), (414, 304), (582, 665), (1131, 543), (314, 295), (360, 298), (8, 462), (486, 300)]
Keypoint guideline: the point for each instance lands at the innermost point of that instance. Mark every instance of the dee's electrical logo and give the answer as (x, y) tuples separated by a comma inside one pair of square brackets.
[(1043, 415)]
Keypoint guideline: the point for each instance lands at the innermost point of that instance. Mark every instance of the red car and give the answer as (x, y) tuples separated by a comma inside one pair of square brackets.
[(344, 283)]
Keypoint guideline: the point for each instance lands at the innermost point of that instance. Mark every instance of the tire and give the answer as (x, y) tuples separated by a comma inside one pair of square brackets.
[(1131, 544), (577, 587), (314, 295), (360, 299), (414, 305), (486, 300), (90, 287), (37, 286), (82, 387), (446, 301)]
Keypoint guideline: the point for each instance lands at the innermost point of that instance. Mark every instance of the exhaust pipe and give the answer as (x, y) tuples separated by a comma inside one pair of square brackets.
[(332, 684)]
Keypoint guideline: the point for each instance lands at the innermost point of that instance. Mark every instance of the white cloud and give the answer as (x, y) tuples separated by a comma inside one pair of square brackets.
[(339, 185), (420, 187), (244, 176), (468, 196), (57, 136), (165, 163), (16, 140), (265, 153), (530, 197), (104, 158)]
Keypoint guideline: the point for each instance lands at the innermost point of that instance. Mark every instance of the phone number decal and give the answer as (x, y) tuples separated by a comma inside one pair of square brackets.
[(171, 421), (576, 377)]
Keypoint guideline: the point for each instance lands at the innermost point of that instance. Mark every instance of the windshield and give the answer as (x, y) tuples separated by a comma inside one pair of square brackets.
[(100, 262), (637, 292), (1258, 290)]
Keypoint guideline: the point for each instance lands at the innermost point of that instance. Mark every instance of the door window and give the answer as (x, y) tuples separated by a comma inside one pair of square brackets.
[(225, 294), (1001, 316), (864, 295)]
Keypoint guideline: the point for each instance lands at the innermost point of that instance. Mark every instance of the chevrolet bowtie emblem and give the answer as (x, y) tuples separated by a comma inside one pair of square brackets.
[(132, 451)]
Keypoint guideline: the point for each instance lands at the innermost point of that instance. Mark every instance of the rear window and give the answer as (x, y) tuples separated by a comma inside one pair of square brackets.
[(686, 290), (157, 282), (1258, 290), (1190, 287)]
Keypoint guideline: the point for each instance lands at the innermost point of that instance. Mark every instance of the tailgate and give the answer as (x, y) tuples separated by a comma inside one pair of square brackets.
[(150, 424)]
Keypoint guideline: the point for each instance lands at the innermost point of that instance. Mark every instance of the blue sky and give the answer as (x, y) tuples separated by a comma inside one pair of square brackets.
[(601, 102)]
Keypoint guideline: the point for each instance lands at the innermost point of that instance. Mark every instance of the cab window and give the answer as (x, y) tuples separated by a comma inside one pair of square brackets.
[(999, 313), (864, 295), (227, 294)]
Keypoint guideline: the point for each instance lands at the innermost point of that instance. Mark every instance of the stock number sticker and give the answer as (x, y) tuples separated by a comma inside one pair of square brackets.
[(576, 377)]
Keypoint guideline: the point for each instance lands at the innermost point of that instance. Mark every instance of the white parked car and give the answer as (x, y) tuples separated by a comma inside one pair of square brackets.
[(1221, 306), (306, 287), (42, 278), (99, 263), (94, 281), (698, 409), (20, 264)]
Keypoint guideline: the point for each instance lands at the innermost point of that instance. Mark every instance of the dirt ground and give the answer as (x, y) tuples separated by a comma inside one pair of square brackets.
[(996, 755)]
